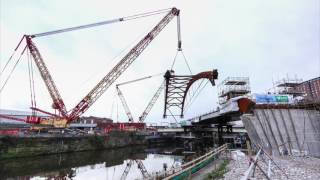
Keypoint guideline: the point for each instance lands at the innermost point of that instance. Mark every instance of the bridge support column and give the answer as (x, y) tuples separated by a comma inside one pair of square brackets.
[(229, 129), (220, 132)]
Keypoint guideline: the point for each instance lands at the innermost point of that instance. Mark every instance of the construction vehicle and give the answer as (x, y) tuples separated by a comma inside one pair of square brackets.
[(64, 117)]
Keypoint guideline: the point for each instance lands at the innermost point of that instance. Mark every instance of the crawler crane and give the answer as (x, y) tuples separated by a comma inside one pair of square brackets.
[(64, 117)]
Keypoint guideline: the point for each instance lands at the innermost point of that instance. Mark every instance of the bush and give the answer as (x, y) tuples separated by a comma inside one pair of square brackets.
[(219, 172)]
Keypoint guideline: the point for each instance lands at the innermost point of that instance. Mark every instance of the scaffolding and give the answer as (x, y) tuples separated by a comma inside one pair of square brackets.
[(233, 87), (289, 86)]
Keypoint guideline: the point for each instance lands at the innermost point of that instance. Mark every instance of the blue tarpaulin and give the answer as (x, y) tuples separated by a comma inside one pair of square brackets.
[(267, 98)]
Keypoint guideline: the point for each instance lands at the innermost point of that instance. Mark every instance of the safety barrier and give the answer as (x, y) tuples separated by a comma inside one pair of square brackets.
[(190, 167)]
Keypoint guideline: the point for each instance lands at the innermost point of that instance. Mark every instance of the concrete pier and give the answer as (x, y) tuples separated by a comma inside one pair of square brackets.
[(285, 131)]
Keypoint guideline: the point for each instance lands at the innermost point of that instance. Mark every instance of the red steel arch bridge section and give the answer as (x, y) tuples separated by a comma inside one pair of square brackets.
[(177, 87)]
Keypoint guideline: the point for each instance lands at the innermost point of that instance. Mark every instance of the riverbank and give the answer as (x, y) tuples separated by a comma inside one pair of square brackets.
[(15, 147)]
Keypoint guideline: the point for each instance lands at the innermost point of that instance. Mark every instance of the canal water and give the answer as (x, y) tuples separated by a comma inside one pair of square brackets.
[(95, 165)]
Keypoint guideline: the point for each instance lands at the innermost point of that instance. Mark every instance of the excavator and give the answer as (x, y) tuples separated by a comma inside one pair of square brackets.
[(64, 117)]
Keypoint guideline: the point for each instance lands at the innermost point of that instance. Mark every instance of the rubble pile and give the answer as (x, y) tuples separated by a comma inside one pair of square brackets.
[(293, 167)]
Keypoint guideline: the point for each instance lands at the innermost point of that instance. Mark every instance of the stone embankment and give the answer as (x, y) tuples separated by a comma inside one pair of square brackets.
[(12, 147)]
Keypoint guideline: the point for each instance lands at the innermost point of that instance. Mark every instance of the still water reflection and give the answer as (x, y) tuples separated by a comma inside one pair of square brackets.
[(107, 164)]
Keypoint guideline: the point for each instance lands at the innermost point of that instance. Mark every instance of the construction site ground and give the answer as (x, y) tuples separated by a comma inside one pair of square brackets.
[(203, 173), (294, 167)]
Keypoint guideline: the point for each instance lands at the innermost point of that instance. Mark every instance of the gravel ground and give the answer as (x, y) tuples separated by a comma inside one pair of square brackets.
[(295, 168)]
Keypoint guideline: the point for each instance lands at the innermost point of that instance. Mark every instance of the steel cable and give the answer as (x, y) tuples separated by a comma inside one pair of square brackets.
[(194, 92), (196, 96), (30, 82), (10, 58), (14, 67), (186, 61), (142, 15), (174, 60)]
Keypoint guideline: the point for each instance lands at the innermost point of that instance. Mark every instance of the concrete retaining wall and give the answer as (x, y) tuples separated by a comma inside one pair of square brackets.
[(285, 131)]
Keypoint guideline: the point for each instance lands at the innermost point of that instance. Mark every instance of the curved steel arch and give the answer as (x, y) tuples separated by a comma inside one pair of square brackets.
[(177, 87)]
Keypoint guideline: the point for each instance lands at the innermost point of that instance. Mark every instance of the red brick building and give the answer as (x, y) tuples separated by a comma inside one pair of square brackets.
[(311, 88)]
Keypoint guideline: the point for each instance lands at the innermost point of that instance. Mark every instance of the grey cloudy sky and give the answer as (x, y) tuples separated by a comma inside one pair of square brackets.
[(264, 40)]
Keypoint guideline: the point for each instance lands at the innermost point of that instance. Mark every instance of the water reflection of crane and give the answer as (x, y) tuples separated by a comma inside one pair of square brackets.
[(141, 167)]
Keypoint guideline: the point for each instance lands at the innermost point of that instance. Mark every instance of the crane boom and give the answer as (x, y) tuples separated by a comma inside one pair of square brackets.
[(52, 88), (151, 103), (75, 28), (126, 170), (139, 79), (121, 96), (147, 77), (126, 61), (124, 104), (142, 168)]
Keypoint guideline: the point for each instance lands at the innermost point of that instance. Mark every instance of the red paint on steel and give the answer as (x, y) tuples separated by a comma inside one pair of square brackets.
[(10, 132)]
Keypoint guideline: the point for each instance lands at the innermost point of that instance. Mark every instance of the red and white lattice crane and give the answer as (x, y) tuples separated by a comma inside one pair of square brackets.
[(108, 79)]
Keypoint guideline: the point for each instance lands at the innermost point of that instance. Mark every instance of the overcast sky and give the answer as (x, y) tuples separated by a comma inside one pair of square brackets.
[(264, 40)]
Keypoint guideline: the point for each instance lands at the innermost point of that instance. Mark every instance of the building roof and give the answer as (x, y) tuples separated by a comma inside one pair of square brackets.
[(310, 80)]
